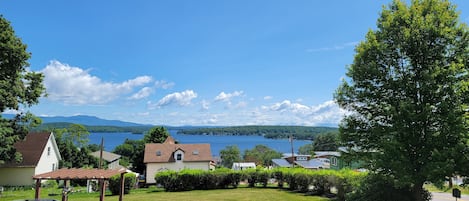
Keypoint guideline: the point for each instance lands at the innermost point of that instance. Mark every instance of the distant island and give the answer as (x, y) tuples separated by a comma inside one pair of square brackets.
[(272, 132)]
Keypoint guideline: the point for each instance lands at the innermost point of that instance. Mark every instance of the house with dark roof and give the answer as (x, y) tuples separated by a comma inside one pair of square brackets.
[(171, 156), (297, 160), (111, 159), (40, 155)]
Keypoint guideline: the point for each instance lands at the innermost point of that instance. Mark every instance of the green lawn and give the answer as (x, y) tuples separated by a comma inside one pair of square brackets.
[(239, 194)]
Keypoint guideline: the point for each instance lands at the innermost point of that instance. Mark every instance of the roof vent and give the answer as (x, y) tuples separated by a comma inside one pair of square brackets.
[(195, 152), (158, 153)]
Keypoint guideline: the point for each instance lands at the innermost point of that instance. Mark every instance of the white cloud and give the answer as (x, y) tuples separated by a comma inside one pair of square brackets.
[(73, 85), (205, 105), (333, 48), (178, 98), (267, 97), (143, 93), (163, 84), (226, 97), (325, 113)]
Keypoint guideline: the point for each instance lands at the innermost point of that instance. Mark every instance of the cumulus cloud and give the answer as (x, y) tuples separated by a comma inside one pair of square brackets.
[(163, 84), (73, 85), (142, 93), (178, 98), (205, 105), (325, 113), (226, 97)]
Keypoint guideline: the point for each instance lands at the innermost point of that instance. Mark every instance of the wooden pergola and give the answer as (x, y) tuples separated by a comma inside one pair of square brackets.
[(78, 174)]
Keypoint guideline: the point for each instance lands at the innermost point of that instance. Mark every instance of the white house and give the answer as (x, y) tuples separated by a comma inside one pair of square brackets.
[(40, 155), (171, 156), (243, 166)]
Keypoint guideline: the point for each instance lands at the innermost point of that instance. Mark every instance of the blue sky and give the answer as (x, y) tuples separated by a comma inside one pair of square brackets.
[(194, 62)]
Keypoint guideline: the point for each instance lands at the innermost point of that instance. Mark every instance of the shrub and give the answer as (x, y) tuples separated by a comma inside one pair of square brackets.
[(379, 187), (129, 181)]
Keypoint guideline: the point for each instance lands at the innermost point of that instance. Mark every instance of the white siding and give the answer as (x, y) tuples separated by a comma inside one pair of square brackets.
[(153, 168), (49, 158), (16, 176)]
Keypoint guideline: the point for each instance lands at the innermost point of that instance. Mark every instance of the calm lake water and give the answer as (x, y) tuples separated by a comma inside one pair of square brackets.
[(217, 143)]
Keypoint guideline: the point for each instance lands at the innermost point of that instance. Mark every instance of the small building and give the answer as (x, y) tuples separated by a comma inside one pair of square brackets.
[(297, 160), (40, 155), (171, 156), (111, 159), (338, 162), (243, 166)]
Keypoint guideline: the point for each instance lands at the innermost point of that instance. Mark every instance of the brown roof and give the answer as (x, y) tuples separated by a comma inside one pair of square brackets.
[(192, 152), (31, 149), (74, 173), (169, 140)]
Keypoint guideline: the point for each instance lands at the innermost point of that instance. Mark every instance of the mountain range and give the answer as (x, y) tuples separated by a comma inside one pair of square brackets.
[(84, 120)]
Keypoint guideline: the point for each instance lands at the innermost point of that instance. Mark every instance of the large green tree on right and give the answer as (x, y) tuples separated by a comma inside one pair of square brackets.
[(407, 93)]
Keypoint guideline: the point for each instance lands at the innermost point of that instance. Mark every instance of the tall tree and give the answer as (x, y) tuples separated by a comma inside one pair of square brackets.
[(406, 94), (261, 155), (326, 142), (229, 155), (156, 134), (19, 89)]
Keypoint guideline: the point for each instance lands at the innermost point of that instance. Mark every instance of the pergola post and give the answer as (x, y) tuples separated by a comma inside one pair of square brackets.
[(102, 190), (38, 189), (121, 192)]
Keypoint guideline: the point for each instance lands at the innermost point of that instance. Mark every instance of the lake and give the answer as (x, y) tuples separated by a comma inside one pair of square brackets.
[(217, 143)]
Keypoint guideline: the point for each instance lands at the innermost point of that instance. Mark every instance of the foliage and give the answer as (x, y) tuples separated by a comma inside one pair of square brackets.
[(261, 155), (19, 89), (133, 151), (378, 187), (68, 141), (276, 132), (156, 134), (230, 155), (326, 142), (307, 149), (407, 93), (298, 179), (129, 182)]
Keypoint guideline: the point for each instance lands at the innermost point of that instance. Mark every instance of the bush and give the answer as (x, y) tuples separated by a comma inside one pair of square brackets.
[(379, 187), (129, 181)]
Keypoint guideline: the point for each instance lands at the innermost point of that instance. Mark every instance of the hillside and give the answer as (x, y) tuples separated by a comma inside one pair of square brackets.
[(275, 132)]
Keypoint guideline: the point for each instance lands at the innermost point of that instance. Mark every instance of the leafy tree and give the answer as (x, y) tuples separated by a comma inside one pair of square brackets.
[(73, 148), (156, 134), (261, 155), (229, 155), (78, 134), (19, 89), (406, 94), (133, 152), (326, 142), (307, 149)]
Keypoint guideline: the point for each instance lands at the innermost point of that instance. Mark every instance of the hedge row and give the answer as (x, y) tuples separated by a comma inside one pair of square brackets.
[(318, 182)]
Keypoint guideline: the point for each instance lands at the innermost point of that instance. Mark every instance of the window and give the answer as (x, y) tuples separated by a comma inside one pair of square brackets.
[(53, 166), (48, 151), (195, 152), (334, 161), (158, 153), (179, 157)]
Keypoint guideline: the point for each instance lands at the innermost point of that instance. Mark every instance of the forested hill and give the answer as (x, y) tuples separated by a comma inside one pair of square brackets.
[(95, 129), (298, 132)]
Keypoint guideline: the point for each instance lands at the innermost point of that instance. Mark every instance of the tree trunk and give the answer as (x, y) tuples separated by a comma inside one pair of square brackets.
[(417, 192)]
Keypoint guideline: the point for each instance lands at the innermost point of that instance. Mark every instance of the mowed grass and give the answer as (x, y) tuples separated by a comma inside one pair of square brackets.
[(153, 194)]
